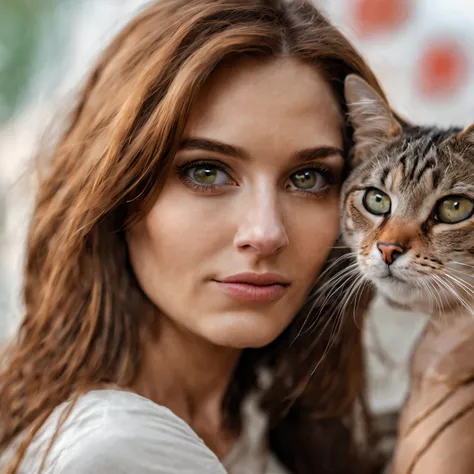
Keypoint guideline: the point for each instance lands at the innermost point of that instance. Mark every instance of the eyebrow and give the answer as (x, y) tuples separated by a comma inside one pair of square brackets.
[(214, 146)]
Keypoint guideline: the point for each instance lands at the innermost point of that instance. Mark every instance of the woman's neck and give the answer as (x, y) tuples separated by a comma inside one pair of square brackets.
[(190, 376)]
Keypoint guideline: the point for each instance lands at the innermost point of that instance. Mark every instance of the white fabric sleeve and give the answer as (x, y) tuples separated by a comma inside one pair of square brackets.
[(139, 440)]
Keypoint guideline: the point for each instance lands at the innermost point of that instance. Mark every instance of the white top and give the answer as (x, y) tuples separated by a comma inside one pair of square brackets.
[(113, 431)]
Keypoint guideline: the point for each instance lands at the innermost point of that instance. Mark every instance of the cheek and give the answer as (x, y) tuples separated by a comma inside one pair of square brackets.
[(359, 219), (312, 235), (185, 230), (358, 227), (175, 242), (455, 238)]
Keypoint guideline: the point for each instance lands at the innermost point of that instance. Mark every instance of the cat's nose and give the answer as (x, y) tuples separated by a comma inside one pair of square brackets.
[(390, 252)]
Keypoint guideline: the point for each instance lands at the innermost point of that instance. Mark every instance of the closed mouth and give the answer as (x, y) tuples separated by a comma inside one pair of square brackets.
[(257, 279), (392, 277), (254, 287)]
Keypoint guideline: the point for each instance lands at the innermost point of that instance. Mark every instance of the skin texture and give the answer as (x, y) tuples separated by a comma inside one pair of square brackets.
[(254, 220)]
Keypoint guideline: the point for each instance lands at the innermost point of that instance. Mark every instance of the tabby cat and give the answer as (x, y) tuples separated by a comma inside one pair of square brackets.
[(407, 207), (408, 217)]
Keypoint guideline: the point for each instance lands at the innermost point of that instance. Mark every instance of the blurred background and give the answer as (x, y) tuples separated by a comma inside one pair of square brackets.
[(421, 50)]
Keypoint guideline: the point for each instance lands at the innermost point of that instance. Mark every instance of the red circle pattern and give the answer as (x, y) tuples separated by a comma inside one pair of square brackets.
[(443, 65), (442, 68), (380, 16)]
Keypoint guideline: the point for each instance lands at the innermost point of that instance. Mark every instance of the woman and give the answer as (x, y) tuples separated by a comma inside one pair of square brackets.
[(187, 212)]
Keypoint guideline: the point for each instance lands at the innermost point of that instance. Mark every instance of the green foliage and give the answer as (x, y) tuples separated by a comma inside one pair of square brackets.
[(20, 30)]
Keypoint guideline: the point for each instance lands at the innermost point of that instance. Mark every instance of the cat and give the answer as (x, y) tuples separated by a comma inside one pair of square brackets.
[(407, 210), (408, 207)]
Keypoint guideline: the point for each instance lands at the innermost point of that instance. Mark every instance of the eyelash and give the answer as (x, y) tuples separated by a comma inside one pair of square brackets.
[(183, 168)]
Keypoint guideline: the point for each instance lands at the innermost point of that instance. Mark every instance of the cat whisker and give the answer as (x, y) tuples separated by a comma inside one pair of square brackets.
[(432, 297), (347, 296), (437, 279), (331, 287), (337, 286), (357, 291), (317, 323), (355, 287), (437, 295), (460, 279), (325, 291), (327, 304), (469, 273), (437, 301), (340, 274), (425, 286), (334, 264), (358, 296), (463, 264), (462, 284), (456, 294), (341, 257)]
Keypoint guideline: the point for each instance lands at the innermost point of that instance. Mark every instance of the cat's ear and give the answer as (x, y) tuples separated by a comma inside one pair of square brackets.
[(467, 134), (373, 121)]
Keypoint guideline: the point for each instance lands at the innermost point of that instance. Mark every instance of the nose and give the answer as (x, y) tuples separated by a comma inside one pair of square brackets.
[(390, 251), (262, 230)]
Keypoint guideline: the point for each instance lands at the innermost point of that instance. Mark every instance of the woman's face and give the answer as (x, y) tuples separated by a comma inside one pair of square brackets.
[(249, 212)]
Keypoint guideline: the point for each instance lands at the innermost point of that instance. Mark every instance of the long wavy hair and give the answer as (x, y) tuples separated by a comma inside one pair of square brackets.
[(85, 312)]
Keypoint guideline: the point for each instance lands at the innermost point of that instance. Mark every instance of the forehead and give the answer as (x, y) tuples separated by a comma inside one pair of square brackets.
[(271, 102), (442, 164)]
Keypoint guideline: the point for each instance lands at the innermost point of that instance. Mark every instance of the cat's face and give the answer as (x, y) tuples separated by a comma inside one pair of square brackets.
[(407, 208)]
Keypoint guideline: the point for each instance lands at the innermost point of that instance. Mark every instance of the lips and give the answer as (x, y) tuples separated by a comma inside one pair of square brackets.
[(263, 287), (260, 279)]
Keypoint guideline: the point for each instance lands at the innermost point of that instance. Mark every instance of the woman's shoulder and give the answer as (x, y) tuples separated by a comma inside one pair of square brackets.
[(117, 431)]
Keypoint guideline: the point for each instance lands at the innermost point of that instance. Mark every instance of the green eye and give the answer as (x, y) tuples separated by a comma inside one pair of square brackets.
[(204, 174), (454, 209), (377, 202), (305, 179)]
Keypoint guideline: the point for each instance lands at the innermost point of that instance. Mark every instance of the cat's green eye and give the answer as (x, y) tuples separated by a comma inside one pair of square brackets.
[(454, 209), (377, 202)]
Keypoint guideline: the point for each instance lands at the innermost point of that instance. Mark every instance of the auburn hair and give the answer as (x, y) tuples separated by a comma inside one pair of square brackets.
[(85, 312)]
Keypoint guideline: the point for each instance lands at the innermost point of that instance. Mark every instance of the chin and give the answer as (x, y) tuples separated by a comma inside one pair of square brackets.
[(404, 296), (240, 331)]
